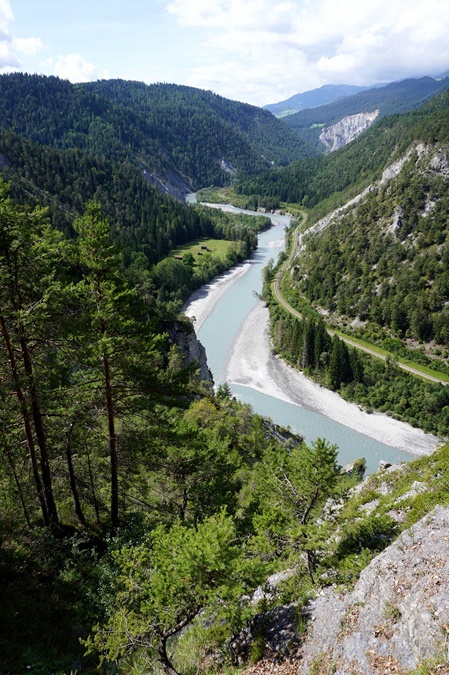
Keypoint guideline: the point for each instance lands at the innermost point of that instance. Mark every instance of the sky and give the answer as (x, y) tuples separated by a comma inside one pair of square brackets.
[(256, 51)]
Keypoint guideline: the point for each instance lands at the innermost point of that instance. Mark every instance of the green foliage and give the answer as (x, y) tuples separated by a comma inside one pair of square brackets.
[(287, 492), (100, 423), (332, 180), (434, 666), (166, 582), (385, 261), (372, 532), (307, 345), (161, 128)]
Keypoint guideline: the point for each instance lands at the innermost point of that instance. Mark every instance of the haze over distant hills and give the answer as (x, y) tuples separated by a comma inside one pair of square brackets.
[(328, 93)]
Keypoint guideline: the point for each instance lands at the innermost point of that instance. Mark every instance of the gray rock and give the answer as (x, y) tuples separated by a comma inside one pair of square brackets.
[(358, 466), (183, 336), (268, 589), (398, 613), (344, 131)]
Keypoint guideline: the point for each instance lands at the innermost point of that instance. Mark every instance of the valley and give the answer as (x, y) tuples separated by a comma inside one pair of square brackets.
[(239, 353), (154, 521)]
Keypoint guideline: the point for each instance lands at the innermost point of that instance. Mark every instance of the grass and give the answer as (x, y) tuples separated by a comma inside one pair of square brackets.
[(223, 195), (217, 248)]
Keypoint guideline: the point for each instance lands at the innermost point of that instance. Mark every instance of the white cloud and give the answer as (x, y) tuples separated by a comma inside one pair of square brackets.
[(28, 46), (74, 68), (275, 48), (6, 15), (8, 59), (9, 46)]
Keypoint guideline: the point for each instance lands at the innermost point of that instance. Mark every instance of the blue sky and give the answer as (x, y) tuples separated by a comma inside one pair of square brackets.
[(258, 51)]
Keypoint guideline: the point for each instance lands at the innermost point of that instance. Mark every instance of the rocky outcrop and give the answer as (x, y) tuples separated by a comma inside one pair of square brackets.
[(398, 613), (440, 162), (344, 131), (183, 336), (168, 183), (395, 618), (227, 167)]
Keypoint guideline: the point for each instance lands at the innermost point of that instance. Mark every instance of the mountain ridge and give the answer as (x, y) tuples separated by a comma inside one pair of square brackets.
[(393, 98), (169, 128), (314, 98)]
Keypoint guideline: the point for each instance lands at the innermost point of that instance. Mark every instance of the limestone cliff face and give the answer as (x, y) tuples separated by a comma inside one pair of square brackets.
[(183, 336), (344, 131), (395, 618), (398, 613)]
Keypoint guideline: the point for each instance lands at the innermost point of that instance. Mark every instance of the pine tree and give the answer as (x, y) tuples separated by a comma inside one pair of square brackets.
[(30, 252)]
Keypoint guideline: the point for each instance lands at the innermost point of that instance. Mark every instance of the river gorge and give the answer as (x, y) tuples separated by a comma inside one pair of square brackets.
[(232, 324)]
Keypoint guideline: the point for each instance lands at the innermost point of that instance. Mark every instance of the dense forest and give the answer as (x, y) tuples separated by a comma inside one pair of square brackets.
[(330, 181), (114, 454), (392, 253), (200, 137), (146, 224)]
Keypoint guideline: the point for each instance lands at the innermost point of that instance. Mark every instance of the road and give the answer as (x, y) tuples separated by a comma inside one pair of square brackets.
[(297, 241)]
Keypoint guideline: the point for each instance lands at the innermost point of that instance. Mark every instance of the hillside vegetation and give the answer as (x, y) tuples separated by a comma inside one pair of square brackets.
[(141, 509), (198, 136), (393, 98), (332, 180)]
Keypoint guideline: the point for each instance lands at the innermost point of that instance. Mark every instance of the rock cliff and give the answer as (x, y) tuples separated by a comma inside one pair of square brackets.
[(183, 336), (395, 618), (344, 131)]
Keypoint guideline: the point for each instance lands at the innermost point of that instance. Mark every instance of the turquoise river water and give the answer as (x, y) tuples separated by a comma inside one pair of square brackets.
[(232, 324)]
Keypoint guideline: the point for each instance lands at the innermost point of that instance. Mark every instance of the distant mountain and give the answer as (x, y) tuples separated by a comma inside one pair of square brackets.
[(396, 97), (180, 137), (336, 178), (328, 93)]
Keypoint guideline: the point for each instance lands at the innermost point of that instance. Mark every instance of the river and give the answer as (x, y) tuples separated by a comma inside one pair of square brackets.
[(232, 324)]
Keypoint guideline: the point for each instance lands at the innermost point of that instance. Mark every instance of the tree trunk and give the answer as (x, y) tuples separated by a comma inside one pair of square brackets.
[(16, 480), (26, 421), (40, 432), (310, 566), (112, 446), (72, 479), (163, 657), (91, 478)]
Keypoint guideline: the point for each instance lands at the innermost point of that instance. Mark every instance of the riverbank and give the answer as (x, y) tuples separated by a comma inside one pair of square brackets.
[(202, 301), (252, 364)]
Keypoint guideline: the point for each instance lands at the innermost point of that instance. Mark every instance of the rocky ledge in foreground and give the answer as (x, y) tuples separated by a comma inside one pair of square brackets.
[(396, 618), (398, 613)]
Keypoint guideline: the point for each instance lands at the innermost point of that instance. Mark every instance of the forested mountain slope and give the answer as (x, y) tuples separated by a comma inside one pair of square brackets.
[(172, 131), (142, 219), (188, 112), (386, 258), (341, 175), (396, 97)]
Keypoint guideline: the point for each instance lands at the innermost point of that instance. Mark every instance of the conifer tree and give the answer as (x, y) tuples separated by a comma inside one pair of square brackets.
[(29, 304)]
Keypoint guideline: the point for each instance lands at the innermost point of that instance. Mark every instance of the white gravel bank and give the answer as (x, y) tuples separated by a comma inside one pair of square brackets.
[(252, 364)]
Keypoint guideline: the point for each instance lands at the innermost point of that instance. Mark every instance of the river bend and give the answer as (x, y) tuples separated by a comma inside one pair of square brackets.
[(232, 324)]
